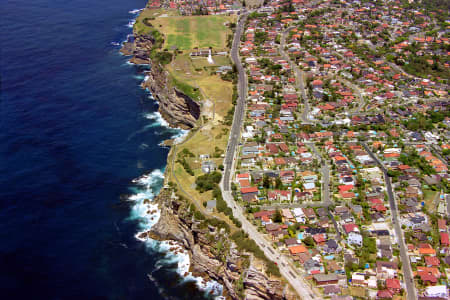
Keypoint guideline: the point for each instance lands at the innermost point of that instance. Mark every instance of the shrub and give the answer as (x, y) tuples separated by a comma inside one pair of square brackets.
[(186, 166), (207, 182), (246, 244)]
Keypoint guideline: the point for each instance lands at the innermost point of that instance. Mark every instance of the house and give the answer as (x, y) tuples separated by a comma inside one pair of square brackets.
[(442, 225), (386, 269), (263, 213), (249, 193), (325, 279), (319, 238), (411, 192), (350, 228), (309, 213), (358, 279), (243, 176), (211, 205), (444, 239), (438, 291), (346, 297), (312, 266), (335, 267), (271, 228), (279, 195), (393, 285), (331, 246), (297, 249), (302, 196), (384, 294), (208, 166), (430, 274), (355, 238), (291, 242), (310, 187), (341, 210), (250, 148), (432, 261), (287, 214), (330, 290)]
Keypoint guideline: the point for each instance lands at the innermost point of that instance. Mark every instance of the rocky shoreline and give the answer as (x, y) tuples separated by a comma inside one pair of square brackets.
[(212, 253), (178, 109), (240, 276)]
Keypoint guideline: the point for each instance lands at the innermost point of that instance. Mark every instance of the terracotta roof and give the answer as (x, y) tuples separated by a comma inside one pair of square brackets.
[(393, 283), (297, 249), (247, 190)]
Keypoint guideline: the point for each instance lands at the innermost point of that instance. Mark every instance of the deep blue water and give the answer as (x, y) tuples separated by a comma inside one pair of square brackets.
[(73, 134)]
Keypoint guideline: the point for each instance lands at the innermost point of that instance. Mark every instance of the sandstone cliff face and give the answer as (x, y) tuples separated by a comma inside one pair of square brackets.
[(174, 225), (175, 107)]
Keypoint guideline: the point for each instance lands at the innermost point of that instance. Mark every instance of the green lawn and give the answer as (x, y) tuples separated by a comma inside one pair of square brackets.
[(180, 41), (208, 33), (188, 32), (428, 198)]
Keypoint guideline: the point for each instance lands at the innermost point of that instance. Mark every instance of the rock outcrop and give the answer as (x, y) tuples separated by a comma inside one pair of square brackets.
[(258, 286), (177, 108), (174, 224)]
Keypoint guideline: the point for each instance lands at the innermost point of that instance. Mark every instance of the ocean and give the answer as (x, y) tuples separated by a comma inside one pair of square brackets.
[(79, 151)]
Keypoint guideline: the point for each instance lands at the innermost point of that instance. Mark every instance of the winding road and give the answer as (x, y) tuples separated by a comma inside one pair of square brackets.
[(240, 105), (291, 274), (298, 77), (407, 271)]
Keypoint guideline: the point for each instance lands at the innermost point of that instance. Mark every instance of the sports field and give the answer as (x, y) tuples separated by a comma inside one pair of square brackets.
[(188, 32)]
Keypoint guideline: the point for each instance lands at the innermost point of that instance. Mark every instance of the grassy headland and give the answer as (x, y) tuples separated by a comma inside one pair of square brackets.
[(175, 38)]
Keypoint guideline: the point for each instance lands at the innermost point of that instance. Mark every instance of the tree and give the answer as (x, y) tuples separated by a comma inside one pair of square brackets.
[(266, 181), (277, 217), (308, 241), (278, 183)]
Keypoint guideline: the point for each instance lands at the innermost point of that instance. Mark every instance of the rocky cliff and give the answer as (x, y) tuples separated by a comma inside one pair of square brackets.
[(224, 264), (178, 109)]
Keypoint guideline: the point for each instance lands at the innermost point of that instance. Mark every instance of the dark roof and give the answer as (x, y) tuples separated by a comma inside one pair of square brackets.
[(325, 277), (331, 244), (380, 232)]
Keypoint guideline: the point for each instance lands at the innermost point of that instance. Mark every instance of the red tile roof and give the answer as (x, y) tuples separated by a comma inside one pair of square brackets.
[(393, 283), (247, 190)]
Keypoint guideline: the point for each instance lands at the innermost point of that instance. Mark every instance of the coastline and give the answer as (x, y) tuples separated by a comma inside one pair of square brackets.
[(172, 223), (146, 206)]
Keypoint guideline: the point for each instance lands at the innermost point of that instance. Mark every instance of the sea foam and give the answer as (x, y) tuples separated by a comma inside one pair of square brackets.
[(156, 116), (135, 11), (148, 214), (178, 135)]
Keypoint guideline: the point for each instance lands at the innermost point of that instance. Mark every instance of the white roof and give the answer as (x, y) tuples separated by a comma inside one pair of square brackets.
[(298, 212), (393, 150), (363, 157), (380, 226), (437, 290), (309, 185), (357, 277)]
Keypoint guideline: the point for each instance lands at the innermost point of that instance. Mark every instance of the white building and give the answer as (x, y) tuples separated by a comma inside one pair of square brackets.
[(437, 291), (355, 238)]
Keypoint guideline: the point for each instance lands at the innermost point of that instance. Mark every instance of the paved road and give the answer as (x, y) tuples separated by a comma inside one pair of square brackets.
[(240, 105), (407, 271), (298, 77), (296, 281), (358, 91), (325, 170), (436, 151), (326, 201)]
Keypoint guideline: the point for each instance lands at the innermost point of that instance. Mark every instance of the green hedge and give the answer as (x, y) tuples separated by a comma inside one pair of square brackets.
[(244, 243)]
